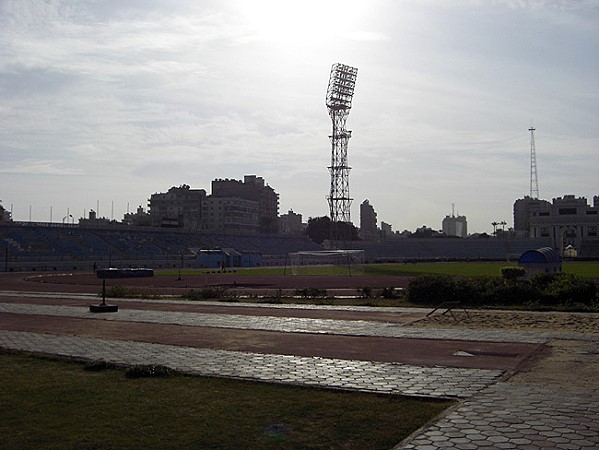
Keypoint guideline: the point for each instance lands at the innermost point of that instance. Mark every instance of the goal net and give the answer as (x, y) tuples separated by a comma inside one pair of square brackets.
[(327, 262)]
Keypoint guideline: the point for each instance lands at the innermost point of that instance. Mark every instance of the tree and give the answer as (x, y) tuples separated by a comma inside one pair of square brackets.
[(321, 228), (4, 214)]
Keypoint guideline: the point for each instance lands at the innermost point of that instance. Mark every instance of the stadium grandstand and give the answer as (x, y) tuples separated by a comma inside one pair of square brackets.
[(31, 246), (427, 249), (34, 246)]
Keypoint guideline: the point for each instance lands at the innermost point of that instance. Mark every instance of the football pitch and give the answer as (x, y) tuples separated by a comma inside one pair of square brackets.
[(584, 269)]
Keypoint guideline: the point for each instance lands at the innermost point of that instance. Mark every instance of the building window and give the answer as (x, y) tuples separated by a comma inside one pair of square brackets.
[(544, 232), (593, 230), (567, 211)]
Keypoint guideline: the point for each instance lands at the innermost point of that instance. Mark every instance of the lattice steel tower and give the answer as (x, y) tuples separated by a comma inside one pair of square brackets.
[(339, 97), (534, 183)]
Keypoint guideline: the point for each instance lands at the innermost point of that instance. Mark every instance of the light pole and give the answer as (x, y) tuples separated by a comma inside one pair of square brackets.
[(338, 101)]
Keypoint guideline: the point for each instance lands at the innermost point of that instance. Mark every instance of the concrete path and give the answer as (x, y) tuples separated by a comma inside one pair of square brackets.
[(493, 412)]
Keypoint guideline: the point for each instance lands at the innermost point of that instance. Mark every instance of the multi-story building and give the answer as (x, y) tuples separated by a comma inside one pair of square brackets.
[(92, 220), (523, 209), (567, 221), (252, 188), (386, 230), (368, 221), (180, 207), (140, 218), (455, 226), (291, 224), (230, 215), (248, 206)]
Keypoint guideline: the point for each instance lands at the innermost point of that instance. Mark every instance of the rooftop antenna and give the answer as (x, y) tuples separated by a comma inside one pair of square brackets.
[(338, 100), (534, 184)]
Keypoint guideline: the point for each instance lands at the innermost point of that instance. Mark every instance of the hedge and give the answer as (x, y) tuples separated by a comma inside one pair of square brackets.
[(545, 290)]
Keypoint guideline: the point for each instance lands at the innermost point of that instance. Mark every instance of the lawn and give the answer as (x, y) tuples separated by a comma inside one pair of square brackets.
[(53, 404), (585, 269)]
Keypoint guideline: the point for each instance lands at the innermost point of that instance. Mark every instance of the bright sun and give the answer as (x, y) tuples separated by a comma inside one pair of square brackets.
[(300, 21)]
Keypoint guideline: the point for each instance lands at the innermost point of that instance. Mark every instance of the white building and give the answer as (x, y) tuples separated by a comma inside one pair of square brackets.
[(567, 221), (455, 226)]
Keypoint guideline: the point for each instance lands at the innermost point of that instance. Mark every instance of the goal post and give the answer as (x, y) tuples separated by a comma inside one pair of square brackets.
[(327, 262)]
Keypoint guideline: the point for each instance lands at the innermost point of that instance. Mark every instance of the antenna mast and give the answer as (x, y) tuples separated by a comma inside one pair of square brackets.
[(339, 97), (534, 184)]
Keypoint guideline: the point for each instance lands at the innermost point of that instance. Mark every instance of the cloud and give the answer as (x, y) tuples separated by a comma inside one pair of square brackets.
[(154, 94), (40, 167)]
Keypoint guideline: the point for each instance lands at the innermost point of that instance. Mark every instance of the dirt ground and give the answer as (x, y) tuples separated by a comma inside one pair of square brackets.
[(572, 363), (563, 322)]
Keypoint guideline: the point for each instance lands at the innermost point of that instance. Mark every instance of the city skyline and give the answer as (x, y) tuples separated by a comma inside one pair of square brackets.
[(105, 103)]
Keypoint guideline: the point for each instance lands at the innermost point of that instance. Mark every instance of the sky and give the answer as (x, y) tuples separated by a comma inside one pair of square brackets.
[(105, 102)]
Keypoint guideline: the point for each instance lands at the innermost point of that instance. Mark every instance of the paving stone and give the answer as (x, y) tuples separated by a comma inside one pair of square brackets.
[(281, 368), (504, 400), (282, 324), (493, 413)]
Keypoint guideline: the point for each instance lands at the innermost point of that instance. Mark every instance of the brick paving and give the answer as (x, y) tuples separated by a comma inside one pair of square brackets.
[(323, 372), (516, 416), (493, 412), (283, 324)]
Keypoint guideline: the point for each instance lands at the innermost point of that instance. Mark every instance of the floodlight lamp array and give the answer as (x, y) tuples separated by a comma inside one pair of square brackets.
[(341, 86)]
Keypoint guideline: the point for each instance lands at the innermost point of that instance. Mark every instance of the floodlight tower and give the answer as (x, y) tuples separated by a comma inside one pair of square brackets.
[(339, 97), (534, 184)]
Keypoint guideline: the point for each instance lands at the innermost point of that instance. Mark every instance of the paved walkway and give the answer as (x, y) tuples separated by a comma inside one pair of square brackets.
[(516, 416), (323, 372), (493, 413), (282, 324)]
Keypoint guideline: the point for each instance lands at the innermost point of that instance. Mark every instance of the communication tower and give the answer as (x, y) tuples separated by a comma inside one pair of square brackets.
[(534, 184), (339, 97)]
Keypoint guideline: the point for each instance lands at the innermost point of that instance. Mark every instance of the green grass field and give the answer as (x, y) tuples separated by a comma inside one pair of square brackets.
[(585, 269), (51, 404)]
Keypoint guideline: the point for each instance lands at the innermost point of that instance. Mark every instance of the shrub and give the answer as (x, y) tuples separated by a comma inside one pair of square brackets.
[(567, 289), (512, 273), (390, 293), (467, 291), (149, 371), (206, 293), (275, 299), (514, 294), (365, 292), (119, 291), (431, 289), (542, 280), (311, 292), (556, 290), (98, 366)]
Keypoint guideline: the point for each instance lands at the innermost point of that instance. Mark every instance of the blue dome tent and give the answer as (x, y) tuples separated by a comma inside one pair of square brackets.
[(541, 260)]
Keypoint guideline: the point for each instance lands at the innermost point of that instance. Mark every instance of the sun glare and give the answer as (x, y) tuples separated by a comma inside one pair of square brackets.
[(306, 21)]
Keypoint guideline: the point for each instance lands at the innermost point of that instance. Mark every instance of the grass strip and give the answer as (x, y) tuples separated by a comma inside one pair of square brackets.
[(584, 269), (55, 404)]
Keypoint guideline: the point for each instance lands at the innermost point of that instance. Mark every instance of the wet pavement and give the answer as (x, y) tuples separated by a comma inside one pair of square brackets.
[(493, 412)]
